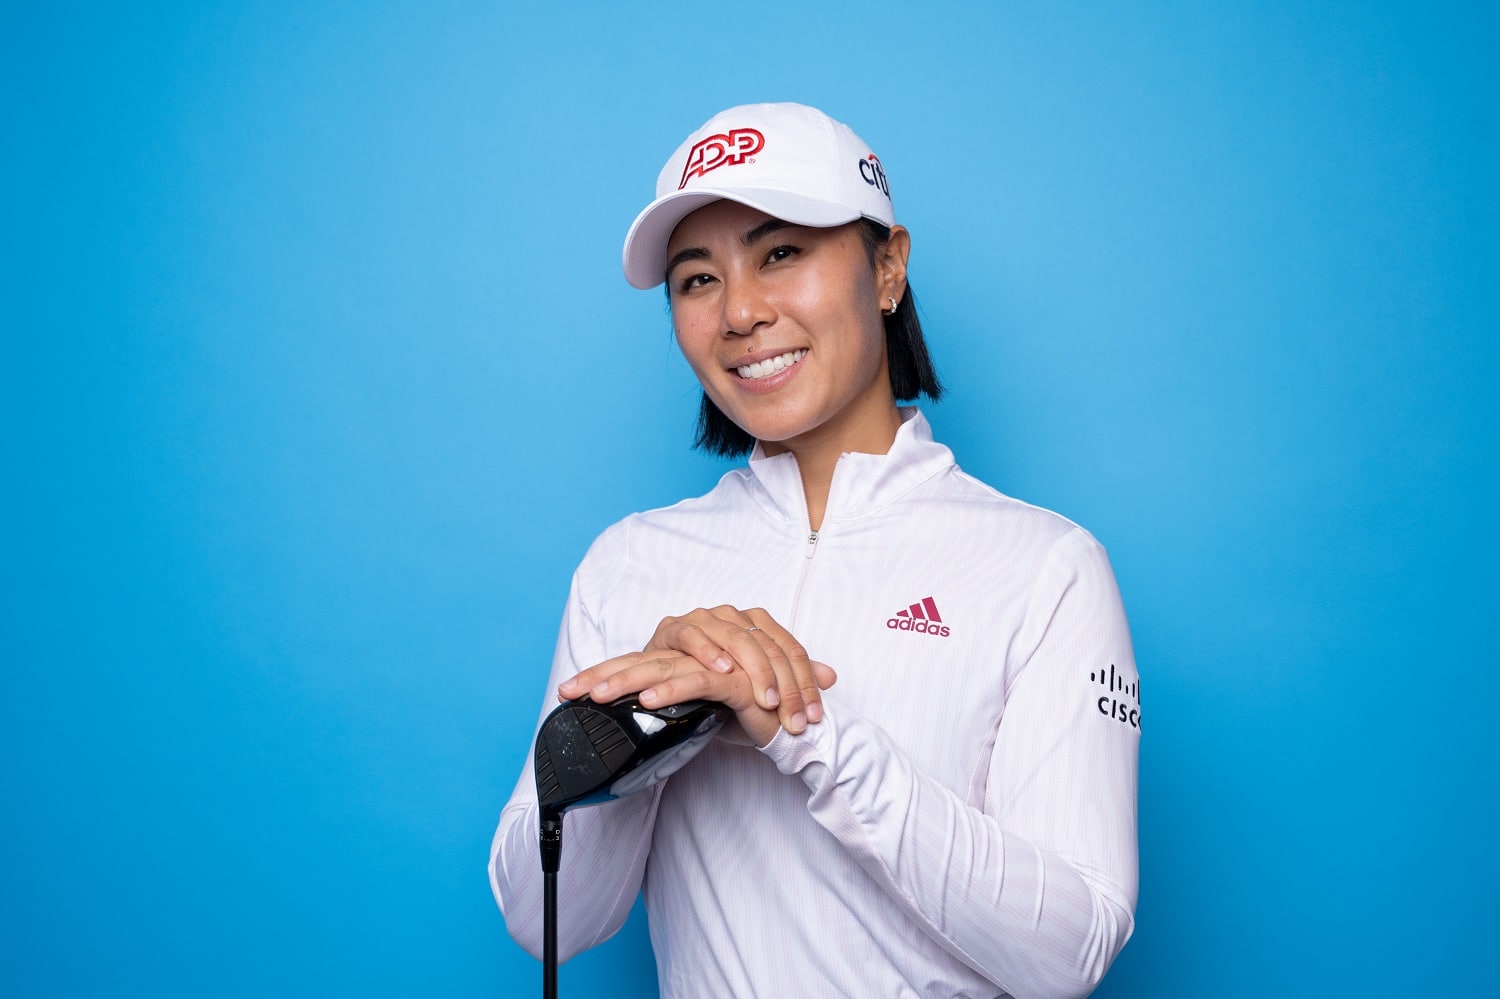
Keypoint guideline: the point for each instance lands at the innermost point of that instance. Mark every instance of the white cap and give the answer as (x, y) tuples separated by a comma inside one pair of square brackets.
[(790, 161)]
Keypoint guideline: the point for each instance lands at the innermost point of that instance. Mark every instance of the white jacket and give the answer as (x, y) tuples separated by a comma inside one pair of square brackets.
[(963, 820)]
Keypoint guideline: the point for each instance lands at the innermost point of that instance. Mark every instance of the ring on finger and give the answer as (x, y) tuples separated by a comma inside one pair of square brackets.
[(751, 628)]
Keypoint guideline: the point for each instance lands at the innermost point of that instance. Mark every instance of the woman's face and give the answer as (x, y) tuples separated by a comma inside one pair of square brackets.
[(782, 325)]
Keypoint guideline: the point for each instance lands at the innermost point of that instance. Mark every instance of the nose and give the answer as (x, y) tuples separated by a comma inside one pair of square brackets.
[(746, 306)]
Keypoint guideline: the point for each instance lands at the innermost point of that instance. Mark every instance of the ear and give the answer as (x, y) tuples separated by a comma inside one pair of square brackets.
[(890, 267)]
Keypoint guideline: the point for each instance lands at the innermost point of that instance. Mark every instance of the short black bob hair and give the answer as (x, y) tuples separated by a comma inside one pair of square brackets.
[(911, 370)]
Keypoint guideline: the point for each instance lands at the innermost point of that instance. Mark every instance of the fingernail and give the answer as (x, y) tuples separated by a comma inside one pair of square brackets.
[(799, 723), (815, 712), (723, 665), (648, 697), (600, 689), (772, 698)]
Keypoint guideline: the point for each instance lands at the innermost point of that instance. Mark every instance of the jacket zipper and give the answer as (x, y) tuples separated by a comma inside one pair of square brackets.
[(809, 549)]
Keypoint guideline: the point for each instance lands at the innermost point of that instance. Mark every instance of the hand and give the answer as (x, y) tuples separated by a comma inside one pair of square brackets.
[(690, 657), (670, 677), (781, 675)]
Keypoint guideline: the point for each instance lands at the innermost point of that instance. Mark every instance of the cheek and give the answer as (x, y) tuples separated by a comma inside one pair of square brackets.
[(695, 340), (862, 329), (872, 349)]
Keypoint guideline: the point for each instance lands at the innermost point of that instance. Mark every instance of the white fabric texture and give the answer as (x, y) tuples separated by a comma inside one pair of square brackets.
[(963, 820)]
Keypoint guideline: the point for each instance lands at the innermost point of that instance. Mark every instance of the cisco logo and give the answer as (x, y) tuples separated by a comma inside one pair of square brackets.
[(1123, 700)]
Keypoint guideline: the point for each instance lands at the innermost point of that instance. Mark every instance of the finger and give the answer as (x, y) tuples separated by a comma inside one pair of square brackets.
[(795, 679), (772, 671), (652, 669), (697, 683), (825, 675), (793, 709), (581, 683), (687, 634), (756, 725), (728, 632), (752, 652)]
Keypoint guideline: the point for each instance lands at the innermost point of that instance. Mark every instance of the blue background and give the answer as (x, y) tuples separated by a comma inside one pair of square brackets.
[(319, 375)]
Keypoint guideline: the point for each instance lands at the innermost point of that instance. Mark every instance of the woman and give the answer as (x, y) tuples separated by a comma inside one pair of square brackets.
[(955, 815)]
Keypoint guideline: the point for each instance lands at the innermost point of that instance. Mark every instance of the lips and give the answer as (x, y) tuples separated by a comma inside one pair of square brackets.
[(771, 365)]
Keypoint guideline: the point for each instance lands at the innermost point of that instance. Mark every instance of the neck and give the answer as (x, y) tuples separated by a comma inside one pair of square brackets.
[(818, 453)]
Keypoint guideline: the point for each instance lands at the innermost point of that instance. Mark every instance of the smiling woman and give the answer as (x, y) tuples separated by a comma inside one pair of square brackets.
[(918, 795), (907, 362), (782, 325)]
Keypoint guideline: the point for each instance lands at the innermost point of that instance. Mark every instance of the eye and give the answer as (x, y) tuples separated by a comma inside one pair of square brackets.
[(691, 281), (783, 252)]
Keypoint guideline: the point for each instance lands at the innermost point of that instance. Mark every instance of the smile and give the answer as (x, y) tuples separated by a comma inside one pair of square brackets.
[(771, 365)]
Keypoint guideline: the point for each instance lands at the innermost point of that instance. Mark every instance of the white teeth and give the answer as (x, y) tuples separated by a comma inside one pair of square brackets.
[(771, 365)]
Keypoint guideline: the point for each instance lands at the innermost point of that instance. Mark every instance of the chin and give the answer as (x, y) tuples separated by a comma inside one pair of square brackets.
[(774, 432)]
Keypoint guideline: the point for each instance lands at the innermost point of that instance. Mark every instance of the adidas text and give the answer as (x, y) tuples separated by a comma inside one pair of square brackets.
[(924, 627)]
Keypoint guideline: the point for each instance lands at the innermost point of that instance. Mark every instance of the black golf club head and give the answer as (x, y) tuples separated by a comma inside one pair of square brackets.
[(588, 753)]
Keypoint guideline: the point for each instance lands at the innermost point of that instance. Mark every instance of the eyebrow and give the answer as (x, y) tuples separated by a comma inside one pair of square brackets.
[(748, 239), (691, 253), (764, 229)]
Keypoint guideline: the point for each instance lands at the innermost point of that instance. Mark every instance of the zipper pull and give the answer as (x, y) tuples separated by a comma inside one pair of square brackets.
[(812, 543)]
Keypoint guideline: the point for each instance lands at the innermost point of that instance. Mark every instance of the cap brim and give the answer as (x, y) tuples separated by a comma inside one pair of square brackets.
[(645, 254)]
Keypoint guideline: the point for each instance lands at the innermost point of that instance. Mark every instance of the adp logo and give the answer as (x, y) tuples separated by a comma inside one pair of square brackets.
[(725, 149), (874, 174)]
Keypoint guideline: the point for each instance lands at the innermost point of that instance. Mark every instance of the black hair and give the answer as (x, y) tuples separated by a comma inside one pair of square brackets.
[(907, 360)]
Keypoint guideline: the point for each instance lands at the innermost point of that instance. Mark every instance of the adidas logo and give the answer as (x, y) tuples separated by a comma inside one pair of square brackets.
[(921, 617)]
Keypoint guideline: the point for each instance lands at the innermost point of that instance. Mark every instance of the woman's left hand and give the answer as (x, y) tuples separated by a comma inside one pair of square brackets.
[(721, 638), (742, 659)]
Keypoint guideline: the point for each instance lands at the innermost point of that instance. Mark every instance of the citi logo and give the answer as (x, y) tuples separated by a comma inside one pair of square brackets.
[(874, 174), (725, 149), (1123, 702), (921, 617)]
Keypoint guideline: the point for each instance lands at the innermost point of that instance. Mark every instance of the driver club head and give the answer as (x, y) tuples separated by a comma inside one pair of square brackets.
[(588, 753)]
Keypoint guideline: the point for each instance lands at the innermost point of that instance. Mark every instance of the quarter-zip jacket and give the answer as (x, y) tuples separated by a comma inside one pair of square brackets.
[(962, 822)]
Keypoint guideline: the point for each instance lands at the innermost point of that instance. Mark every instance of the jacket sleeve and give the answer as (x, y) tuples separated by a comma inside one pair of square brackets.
[(604, 846), (1032, 880)]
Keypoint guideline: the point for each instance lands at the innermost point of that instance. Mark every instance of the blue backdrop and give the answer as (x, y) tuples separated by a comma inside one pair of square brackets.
[(319, 375)]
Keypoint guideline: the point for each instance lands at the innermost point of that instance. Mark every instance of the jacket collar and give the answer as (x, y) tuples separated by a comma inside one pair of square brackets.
[(862, 483)]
